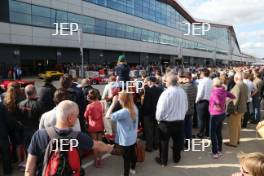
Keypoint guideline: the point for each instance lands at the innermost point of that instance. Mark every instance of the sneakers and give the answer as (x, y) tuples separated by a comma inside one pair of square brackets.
[(215, 156), (132, 172), (220, 153)]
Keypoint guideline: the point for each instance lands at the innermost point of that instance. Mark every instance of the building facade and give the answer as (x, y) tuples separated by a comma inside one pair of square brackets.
[(147, 31)]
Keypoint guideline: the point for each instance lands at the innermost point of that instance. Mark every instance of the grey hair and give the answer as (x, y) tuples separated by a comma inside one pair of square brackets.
[(65, 109), (171, 78), (238, 76)]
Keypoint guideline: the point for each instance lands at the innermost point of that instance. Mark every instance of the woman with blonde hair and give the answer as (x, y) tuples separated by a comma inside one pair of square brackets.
[(251, 164), (126, 129), (217, 105)]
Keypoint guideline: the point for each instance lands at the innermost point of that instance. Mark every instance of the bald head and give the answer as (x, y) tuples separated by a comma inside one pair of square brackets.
[(66, 113), (30, 91)]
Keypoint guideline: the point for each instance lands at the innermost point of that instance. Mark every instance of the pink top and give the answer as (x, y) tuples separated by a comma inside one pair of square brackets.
[(94, 117), (217, 100)]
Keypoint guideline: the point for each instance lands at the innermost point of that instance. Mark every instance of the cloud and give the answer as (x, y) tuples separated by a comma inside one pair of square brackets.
[(246, 15), (253, 45), (254, 48), (230, 11), (258, 35)]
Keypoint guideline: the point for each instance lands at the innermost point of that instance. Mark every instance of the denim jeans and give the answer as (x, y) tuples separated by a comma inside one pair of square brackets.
[(256, 108), (130, 158), (216, 125)]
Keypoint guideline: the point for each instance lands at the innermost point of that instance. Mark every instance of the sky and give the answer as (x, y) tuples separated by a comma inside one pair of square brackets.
[(247, 17)]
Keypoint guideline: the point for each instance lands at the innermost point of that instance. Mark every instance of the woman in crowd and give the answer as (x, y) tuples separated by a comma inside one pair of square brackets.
[(126, 132), (251, 164), (217, 112), (11, 100), (94, 119)]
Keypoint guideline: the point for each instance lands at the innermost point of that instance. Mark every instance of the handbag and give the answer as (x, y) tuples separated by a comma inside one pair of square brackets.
[(230, 108), (140, 151), (260, 128)]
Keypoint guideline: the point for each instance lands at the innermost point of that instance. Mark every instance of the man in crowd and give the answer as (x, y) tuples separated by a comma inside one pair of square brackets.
[(191, 91), (66, 116), (48, 119), (251, 88), (202, 103), (46, 93), (256, 96), (240, 107), (31, 110), (75, 94), (151, 97), (171, 110)]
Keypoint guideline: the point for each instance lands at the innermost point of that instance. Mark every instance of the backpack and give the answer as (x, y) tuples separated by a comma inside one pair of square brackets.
[(58, 162)]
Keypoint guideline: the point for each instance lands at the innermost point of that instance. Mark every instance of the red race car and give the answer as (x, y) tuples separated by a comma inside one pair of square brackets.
[(22, 83), (98, 80)]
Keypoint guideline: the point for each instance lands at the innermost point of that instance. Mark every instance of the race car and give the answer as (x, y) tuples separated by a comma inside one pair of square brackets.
[(23, 83), (51, 74), (97, 80)]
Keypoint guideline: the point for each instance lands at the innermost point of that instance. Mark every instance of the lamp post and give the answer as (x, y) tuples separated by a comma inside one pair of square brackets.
[(80, 37)]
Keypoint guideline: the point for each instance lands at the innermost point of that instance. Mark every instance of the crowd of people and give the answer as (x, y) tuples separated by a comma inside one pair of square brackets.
[(168, 105)]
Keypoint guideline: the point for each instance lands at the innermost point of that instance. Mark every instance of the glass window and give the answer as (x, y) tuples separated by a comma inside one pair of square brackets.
[(119, 5), (99, 27), (111, 29), (121, 29), (20, 7), (41, 11), (147, 35), (88, 25), (138, 8), (151, 36), (156, 37), (129, 32), (144, 36), (137, 34), (21, 18), (130, 7), (61, 16), (101, 2), (74, 18), (41, 21)]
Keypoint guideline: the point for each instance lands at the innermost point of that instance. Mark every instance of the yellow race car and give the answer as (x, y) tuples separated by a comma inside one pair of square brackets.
[(51, 74)]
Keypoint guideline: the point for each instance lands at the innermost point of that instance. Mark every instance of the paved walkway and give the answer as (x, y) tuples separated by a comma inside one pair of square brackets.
[(192, 163)]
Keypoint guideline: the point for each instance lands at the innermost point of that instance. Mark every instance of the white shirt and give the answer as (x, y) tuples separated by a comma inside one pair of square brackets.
[(172, 104), (48, 119), (204, 90), (251, 88)]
